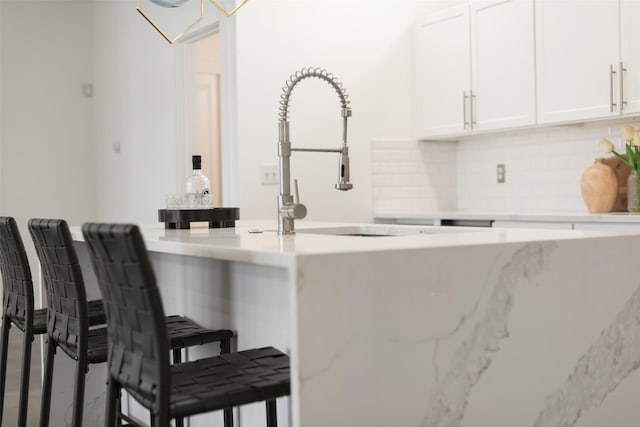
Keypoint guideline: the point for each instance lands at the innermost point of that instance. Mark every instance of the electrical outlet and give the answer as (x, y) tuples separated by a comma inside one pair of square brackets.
[(500, 173), (269, 174)]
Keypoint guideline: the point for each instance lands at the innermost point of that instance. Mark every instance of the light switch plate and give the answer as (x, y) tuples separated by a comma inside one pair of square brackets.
[(269, 174), (500, 173)]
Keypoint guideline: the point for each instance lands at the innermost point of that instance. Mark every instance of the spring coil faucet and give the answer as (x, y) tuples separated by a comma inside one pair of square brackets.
[(288, 208)]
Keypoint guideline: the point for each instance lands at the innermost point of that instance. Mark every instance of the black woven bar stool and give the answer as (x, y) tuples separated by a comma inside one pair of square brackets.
[(65, 287), (18, 309), (138, 343), (67, 320)]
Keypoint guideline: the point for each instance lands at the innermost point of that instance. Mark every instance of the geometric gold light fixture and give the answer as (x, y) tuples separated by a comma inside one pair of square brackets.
[(224, 11), (177, 3), (167, 4)]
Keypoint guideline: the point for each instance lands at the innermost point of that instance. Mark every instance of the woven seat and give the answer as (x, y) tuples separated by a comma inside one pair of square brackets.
[(229, 380), (184, 332), (138, 338), (96, 317)]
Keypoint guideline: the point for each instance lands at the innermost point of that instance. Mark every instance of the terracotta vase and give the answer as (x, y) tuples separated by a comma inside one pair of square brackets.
[(606, 179), (599, 185)]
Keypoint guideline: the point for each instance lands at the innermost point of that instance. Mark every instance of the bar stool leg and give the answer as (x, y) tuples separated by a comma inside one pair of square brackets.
[(177, 358), (26, 372), (159, 420), (113, 405), (225, 347), (45, 408), (6, 325), (272, 415), (78, 390)]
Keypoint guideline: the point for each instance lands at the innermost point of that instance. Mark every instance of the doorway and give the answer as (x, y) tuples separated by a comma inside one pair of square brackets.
[(202, 87), (206, 101)]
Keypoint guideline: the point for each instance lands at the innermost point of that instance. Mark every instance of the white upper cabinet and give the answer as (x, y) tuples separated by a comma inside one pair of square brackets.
[(442, 78), (578, 59), (475, 69), (630, 56)]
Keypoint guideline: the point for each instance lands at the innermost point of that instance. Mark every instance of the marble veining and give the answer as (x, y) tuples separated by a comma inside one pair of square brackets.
[(607, 362), (94, 409), (450, 396), (335, 357)]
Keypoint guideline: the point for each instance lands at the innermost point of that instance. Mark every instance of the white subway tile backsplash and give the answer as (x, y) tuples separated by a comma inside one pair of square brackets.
[(414, 177), (543, 171)]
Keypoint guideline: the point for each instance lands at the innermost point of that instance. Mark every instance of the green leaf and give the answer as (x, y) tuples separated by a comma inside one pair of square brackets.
[(625, 161), (631, 157)]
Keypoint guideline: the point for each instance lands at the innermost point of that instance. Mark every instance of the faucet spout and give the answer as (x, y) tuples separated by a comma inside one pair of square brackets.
[(288, 209), (343, 183)]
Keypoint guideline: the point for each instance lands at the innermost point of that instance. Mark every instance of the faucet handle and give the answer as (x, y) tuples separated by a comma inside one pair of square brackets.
[(295, 210), (299, 210), (296, 198)]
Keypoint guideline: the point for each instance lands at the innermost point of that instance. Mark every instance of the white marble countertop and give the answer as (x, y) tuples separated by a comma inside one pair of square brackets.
[(612, 217), (460, 319), (268, 248)]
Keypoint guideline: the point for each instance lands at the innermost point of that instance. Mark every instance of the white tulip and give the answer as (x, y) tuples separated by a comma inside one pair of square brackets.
[(628, 133), (636, 139), (605, 146)]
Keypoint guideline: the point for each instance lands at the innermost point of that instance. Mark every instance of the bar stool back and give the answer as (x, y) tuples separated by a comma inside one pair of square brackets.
[(59, 261), (17, 309), (68, 312), (138, 360)]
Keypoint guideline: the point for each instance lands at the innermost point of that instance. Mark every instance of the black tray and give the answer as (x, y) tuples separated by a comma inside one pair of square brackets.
[(181, 219)]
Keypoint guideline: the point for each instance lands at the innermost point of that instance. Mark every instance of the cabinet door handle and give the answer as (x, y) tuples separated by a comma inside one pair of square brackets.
[(472, 102), (465, 97), (612, 72), (622, 71)]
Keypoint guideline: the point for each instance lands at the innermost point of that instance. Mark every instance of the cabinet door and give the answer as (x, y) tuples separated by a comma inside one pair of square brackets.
[(630, 55), (442, 73), (576, 43), (503, 64), (608, 226), (533, 225)]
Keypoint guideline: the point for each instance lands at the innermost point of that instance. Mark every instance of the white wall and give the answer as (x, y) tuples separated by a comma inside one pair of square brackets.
[(134, 77), (367, 45), (46, 146), (47, 159), (50, 48)]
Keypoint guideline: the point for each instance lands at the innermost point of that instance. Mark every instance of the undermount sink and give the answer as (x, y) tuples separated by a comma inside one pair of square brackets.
[(381, 230)]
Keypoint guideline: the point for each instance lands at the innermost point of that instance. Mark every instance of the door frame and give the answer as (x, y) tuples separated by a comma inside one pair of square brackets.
[(228, 109)]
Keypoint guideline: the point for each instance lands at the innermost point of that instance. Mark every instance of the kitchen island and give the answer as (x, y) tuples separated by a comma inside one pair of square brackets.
[(424, 326)]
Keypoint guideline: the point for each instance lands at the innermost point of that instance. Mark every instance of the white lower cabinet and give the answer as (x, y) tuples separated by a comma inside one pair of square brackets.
[(607, 226), (533, 225), (562, 225)]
